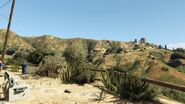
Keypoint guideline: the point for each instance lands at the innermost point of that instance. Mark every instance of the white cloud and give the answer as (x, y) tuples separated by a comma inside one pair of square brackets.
[(176, 45)]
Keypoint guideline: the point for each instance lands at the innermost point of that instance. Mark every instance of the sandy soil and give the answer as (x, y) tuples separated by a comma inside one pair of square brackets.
[(51, 91)]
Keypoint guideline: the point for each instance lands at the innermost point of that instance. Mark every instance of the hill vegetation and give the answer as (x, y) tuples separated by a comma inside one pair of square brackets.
[(72, 60)]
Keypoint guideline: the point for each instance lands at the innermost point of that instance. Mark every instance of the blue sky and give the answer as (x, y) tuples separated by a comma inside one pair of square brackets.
[(160, 21)]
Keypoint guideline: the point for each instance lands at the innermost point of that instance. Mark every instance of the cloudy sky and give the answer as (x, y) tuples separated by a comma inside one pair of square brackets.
[(160, 21)]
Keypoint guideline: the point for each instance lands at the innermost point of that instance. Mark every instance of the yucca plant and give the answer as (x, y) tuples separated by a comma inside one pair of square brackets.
[(65, 75), (120, 82), (110, 81)]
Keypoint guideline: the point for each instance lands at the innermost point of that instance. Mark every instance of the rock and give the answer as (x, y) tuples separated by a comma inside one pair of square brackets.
[(67, 91)]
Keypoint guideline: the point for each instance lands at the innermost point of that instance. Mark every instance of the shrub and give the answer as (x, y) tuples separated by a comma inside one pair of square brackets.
[(165, 69), (135, 89), (52, 66), (126, 85), (136, 47), (180, 50), (175, 63), (177, 55), (114, 49), (80, 68), (90, 45), (36, 56), (111, 82), (65, 75), (75, 53), (10, 51), (18, 59), (82, 74)]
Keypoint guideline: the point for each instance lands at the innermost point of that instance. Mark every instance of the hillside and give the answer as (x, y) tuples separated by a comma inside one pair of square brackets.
[(142, 58), (153, 61), (15, 41)]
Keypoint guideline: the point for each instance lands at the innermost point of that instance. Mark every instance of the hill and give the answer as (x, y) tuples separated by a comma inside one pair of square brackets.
[(15, 41), (153, 61), (147, 59)]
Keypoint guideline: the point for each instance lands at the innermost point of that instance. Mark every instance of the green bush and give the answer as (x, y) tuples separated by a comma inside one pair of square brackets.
[(180, 50), (36, 56), (126, 85), (10, 51), (66, 74), (76, 56), (52, 66), (135, 89), (114, 49), (177, 55), (111, 82), (82, 74), (175, 63), (18, 59)]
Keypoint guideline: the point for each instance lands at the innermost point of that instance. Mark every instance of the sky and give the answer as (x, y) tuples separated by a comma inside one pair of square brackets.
[(159, 21)]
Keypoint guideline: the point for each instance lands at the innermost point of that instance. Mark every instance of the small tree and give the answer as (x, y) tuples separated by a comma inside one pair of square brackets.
[(166, 48), (180, 50), (19, 58), (10, 51), (160, 47), (52, 66), (126, 85), (36, 56), (143, 40), (175, 63), (135, 41), (80, 68)]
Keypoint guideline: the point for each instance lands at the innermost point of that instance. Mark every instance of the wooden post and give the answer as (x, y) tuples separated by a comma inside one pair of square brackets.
[(8, 30)]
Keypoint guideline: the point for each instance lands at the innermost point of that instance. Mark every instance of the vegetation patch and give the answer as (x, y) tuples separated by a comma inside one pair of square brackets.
[(176, 95), (172, 79), (126, 85)]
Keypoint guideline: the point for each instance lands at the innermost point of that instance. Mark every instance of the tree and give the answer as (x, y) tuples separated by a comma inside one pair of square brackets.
[(114, 49), (143, 40), (36, 56), (18, 59), (76, 56), (180, 50), (135, 41), (160, 47), (166, 48), (75, 53), (177, 55), (10, 51), (175, 63)]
